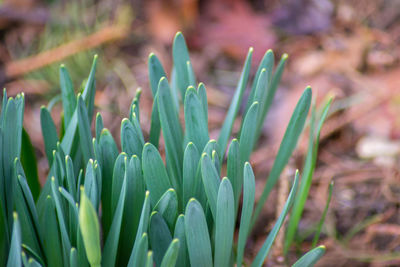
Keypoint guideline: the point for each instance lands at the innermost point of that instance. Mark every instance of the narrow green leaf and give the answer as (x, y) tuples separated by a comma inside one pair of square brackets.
[(135, 194), (249, 188), (263, 252), (82, 257), (197, 236), (67, 95), (156, 72), (195, 122), (224, 224), (167, 207), (179, 233), (141, 257), (190, 72), (73, 258), (90, 230), (160, 236), (308, 171), (4, 238), (154, 173), (172, 133), (142, 228), (134, 110), (211, 182), (3, 106), (174, 88), (111, 244), (247, 134), (321, 221), (70, 176), (89, 91), (211, 146), (202, 93), (234, 170), (171, 255), (70, 142), (24, 205), (14, 256), (215, 161), (11, 149), (28, 161), (73, 217), (155, 124), (191, 181), (256, 95), (181, 57), (132, 140), (310, 258), (92, 185), (99, 125), (150, 262), (32, 255), (117, 180), (51, 234), (288, 144), (85, 136), (33, 263), (269, 97), (235, 104), (266, 63), (109, 153), (66, 243)]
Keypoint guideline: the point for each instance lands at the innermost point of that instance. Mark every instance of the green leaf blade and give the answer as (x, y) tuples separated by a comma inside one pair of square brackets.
[(224, 223), (197, 236), (287, 146)]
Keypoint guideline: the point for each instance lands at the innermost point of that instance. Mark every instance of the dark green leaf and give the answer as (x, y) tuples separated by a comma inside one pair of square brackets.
[(28, 161)]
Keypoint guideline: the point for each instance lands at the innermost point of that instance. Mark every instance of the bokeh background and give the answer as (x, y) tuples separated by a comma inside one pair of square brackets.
[(346, 48)]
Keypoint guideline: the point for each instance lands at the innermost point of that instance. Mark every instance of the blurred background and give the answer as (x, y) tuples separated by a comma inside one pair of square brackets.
[(346, 48)]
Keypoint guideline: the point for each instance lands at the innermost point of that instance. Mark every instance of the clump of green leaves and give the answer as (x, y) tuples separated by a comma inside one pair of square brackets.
[(103, 207)]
